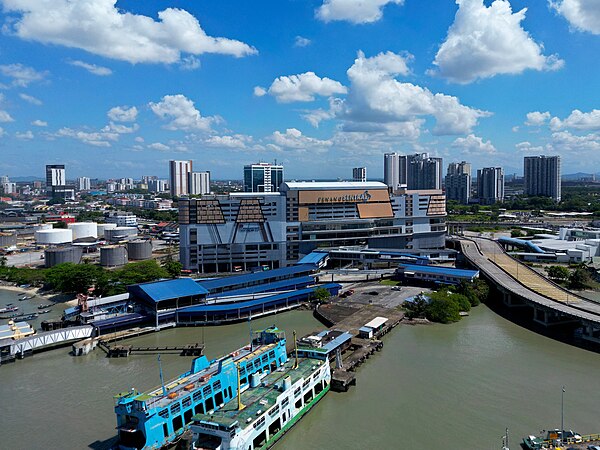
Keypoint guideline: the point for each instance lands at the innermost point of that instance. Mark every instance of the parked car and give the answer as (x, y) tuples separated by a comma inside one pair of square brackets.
[(396, 288)]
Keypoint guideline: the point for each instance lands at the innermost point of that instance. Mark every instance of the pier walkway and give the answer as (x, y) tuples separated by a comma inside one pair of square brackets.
[(22, 347), (520, 285)]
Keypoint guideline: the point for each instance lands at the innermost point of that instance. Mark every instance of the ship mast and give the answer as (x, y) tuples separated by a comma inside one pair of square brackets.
[(295, 351), (239, 390)]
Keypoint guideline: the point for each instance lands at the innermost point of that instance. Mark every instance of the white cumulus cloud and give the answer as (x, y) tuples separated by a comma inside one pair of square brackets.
[(583, 15), (234, 141), (159, 146), (92, 68), (474, 145), (354, 11), (22, 76), (301, 88), (578, 120), (5, 117), (294, 139), (302, 41), (537, 118), (31, 99), (181, 113), (95, 138), (123, 114), (39, 123), (487, 41), (377, 97), (102, 28), (27, 135)]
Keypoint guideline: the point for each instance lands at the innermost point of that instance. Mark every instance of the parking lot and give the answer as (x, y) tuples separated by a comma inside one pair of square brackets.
[(379, 294)]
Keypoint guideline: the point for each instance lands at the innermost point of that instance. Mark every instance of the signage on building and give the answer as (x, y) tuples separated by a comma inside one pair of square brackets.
[(343, 196), (348, 198)]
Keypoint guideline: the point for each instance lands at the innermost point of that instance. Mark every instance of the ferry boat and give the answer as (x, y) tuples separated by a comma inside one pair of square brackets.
[(160, 416), (265, 409), (9, 309)]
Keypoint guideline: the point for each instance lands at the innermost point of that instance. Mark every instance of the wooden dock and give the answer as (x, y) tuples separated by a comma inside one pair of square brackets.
[(123, 351)]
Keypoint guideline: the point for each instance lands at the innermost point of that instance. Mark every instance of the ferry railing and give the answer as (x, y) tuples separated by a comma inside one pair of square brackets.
[(572, 440)]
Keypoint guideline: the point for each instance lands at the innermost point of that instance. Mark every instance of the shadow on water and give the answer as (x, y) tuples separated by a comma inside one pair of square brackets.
[(107, 444), (523, 317)]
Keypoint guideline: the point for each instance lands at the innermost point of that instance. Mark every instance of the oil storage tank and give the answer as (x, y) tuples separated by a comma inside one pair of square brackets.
[(101, 227), (59, 255), (120, 233), (139, 249), (83, 230), (53, 236), (113, 256), (8, 240)]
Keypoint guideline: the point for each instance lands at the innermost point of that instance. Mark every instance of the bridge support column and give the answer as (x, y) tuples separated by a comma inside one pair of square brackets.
[(511, 300), (548, 317), (591, 333)]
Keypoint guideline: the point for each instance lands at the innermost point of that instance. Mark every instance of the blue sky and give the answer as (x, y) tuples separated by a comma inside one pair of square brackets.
[(114, 89)]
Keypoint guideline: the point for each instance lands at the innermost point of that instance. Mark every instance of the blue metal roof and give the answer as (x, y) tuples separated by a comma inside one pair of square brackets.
[(450, 271), (314, 257), (251, 303), (257, 277), (166, 290), (275, 286)]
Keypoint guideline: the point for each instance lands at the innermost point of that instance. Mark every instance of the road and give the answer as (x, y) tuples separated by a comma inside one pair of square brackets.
[(527, 283)]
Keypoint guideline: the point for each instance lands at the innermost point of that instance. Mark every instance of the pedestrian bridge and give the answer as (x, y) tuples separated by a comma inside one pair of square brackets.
[(22, 347), (522, 286)]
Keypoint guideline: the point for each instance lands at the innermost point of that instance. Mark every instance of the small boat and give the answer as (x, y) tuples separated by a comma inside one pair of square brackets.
[(25, 298), (27, 316), (9, 309), (45, 305), (44, 311), (552, 439), (10, 316)]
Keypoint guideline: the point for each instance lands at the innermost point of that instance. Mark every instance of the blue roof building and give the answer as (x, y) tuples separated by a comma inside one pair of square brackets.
[(435, 274)]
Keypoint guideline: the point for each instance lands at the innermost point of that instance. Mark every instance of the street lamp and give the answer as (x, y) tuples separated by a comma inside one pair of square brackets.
[(562, 415)]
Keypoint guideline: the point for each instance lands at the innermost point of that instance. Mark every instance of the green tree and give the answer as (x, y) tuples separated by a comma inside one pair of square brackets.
[(321, 295), (443, 308), (172, 267), (516, 233), (417, 309), (580, 278), (3, 261), (139, 272), (558, 272), (70, 277)]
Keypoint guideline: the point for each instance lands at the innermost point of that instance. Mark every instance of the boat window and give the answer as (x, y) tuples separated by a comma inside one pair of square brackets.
[(177, 423), (186, 402), (297, 392), (265, 358), (285, 402), (217, 386), (165, 429), (274, 411), (164, 413), (197, 395), (175, 408), (272, 354), (206, 390), (199, 408)]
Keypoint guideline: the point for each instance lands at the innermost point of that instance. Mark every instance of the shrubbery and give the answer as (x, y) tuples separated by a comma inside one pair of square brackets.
[(446, 304)]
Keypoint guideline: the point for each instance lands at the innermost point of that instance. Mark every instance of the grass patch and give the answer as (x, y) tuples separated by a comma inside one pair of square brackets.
[(389, 282)]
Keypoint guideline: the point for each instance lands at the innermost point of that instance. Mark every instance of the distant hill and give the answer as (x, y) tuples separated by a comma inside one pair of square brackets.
[(577, 176), (26, 179)]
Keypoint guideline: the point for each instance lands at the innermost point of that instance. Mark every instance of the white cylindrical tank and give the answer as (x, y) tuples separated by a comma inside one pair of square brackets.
[(120, 233), (42, 226), (53, 236), (84, 229), (101, 227)]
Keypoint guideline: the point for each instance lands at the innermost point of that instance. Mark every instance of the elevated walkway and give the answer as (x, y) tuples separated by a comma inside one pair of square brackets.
[(22, 347)]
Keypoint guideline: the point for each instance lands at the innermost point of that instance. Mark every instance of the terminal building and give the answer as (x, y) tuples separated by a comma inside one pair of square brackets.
[(246, 231)]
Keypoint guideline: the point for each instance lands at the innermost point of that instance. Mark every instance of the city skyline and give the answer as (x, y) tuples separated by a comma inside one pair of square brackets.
[(316, 84)]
